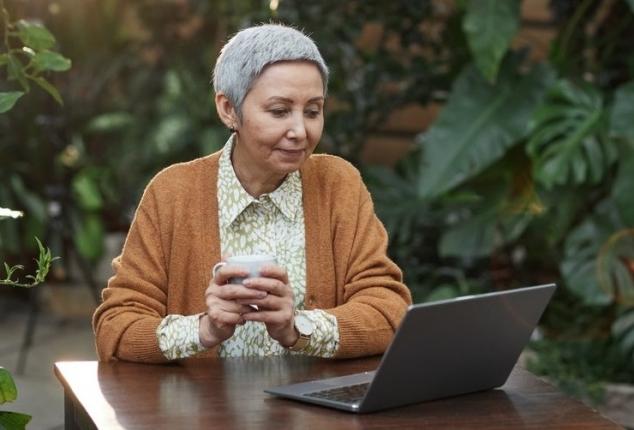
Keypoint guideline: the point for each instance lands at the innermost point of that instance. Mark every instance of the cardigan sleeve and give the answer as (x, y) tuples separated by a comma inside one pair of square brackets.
[(374, 297), (134, 301)]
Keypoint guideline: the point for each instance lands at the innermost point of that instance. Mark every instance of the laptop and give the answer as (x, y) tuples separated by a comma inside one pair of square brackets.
[(441, 349)]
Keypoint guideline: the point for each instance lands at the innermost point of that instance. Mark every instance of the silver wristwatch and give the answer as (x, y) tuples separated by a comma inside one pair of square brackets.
[(305, 328)]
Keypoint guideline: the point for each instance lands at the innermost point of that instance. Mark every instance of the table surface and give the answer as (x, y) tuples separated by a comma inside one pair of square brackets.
[(227, 394)]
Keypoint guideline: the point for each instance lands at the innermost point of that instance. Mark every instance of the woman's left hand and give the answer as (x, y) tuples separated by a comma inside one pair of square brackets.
[(277, 309)]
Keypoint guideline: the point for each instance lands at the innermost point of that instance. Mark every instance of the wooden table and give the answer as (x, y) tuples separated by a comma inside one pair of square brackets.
[(227, 394)]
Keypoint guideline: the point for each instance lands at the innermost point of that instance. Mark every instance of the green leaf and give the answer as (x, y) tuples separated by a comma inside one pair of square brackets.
[(13, 420), (482, 233), (443, 292), (111, 121), (623, 331), (479, 123), (49, 60), (581, 250), (622, 194), (566, 145), (631, 3), (474, 237), (622, 112), (49, 88), (15, 70), (86, 190), (35, 35), (89, 236), (4, 59), (615, 266), (8, 390), (490, 26), (34, 205), (8, 100)]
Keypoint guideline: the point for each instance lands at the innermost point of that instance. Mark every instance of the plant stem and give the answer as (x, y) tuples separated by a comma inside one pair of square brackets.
[(572, 26), (5, 18)]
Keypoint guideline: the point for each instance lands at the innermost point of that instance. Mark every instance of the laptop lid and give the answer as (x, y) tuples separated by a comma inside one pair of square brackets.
[(443, 349)]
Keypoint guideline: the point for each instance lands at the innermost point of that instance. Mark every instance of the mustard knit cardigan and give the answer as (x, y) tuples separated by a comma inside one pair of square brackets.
[(174, 241)]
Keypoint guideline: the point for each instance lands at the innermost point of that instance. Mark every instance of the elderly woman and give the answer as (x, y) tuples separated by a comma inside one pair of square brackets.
[(334, 292)]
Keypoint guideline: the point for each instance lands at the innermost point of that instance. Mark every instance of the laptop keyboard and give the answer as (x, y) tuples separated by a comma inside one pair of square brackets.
[(345, 394)]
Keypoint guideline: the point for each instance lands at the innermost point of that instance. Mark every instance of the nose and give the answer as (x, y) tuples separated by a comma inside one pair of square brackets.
[(297, 128)]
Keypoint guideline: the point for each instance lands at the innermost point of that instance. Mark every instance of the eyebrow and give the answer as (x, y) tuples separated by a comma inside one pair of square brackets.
[(287, 100)]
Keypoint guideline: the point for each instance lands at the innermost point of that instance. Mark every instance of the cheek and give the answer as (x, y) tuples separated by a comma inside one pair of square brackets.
[(315, 131)]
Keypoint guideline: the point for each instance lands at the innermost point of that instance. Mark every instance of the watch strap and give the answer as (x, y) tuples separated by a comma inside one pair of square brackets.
[(301, 343)]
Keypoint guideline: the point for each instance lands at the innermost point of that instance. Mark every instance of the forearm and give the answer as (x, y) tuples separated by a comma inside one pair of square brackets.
[(126, 335), (368, 321)]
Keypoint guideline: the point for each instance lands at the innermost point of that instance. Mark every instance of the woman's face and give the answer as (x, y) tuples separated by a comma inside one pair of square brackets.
[(282, 119)]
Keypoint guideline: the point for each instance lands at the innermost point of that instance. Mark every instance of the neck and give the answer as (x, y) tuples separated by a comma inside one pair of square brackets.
[(254, 181)]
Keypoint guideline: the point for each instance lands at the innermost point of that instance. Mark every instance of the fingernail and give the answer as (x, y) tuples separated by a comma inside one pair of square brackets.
[(262, 294)]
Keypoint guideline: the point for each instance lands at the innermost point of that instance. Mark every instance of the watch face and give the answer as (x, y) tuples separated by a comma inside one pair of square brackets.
[(304, 325)]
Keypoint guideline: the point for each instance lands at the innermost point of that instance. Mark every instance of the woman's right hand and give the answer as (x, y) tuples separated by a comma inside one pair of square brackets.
[(224, 312)]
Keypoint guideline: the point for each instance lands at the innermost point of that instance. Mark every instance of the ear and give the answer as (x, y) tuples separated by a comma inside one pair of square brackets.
[(226, 111)]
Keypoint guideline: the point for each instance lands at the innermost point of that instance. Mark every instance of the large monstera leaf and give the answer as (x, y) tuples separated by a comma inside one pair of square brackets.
[(579, 266), (568, 143), (599, 258), (478, 125)]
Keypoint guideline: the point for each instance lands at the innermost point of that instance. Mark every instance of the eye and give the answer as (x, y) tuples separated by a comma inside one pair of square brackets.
[(312, 113), (278, 112)]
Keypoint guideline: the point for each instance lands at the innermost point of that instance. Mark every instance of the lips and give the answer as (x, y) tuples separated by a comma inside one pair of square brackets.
[(291, 152)]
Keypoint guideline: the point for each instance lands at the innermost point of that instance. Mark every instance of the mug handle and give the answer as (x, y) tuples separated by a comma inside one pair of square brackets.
[(217, 267)]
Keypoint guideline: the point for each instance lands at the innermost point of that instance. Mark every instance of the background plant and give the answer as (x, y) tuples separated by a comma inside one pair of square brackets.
[(526, 177), (8, 389), (27, 54), (34, 42)]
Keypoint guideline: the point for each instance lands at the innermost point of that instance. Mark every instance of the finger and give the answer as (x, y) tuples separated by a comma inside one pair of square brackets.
[(221, 318), (269, 317), (271, 303), (237, 292), (274, 271), (236, 308), (213, 300), (228, 271), (270, 285)]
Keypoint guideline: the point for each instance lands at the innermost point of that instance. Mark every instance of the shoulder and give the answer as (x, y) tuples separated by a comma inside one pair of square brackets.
[(333, 171), (186, 175), (334, 183)]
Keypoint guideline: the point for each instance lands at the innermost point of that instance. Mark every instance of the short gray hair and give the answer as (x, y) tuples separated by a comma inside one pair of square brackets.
[(248, 52)]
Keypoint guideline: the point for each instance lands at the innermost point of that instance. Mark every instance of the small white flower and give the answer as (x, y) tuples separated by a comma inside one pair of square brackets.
[(8, 213)]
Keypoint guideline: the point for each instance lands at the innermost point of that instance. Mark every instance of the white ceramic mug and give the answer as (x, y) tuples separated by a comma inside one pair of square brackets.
[(253, 263)]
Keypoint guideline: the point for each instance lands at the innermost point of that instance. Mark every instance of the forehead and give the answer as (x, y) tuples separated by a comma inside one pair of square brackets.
[(289, 79)]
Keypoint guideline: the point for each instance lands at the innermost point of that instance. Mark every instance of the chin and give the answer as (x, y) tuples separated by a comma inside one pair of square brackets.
[(286, 168)]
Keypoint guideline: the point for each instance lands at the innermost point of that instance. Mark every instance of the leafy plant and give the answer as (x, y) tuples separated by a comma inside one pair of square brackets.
[(43, 261), (8, 390), (27, 53), (568, 143), (525, 178), (9, 393), (34, 43)]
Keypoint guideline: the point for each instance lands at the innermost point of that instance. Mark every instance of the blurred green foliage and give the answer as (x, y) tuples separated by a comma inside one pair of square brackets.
[(525, 178), (27, 54)]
